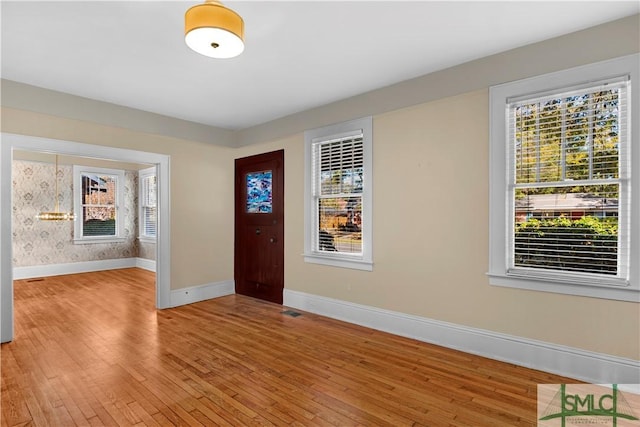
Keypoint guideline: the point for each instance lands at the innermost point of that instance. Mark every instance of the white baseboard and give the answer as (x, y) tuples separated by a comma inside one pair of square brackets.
[(72, 268), (201, 293), (146, 264), (597, 368)]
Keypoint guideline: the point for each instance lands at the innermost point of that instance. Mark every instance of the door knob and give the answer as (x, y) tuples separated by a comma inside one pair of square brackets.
[(272, 240)]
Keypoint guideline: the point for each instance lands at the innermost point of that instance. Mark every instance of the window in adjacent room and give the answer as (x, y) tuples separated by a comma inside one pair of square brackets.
[(338, 195), (98, 203), (147, 201), (562, 208)]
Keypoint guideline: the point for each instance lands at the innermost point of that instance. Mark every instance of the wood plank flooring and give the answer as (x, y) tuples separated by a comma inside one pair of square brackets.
[(90, 350)]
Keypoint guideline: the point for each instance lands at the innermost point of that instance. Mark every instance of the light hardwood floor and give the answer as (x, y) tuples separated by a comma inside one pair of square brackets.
[(90, 349)]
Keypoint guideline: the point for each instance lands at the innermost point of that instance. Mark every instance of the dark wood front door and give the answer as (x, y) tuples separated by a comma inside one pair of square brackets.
[(259, 226)]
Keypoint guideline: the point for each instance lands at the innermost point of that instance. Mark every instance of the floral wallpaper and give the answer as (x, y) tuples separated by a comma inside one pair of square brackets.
[(51, 242), (146, 250)]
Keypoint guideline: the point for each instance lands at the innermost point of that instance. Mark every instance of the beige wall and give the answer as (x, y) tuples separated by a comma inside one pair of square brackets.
[(201, 190)]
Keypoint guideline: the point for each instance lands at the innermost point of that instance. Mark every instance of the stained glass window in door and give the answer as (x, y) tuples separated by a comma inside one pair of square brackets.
[(259, 187)]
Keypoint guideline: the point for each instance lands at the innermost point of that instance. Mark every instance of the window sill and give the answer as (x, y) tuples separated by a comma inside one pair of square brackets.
[(629, 293), (145, 239), (342, 262), (97, 240)]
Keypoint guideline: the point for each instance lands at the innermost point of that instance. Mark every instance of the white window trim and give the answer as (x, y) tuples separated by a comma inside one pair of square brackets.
[(499, 218), (78, 237), (142, 174), (358, 262)]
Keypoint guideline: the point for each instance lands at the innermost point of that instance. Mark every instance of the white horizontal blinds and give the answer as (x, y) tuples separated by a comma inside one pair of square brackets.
[(99, 204), (149, 205), (341, 166), (569, 169), (338, 177), (569, 136)]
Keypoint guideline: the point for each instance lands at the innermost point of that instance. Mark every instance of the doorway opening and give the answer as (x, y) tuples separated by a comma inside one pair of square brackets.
[(11, 144)]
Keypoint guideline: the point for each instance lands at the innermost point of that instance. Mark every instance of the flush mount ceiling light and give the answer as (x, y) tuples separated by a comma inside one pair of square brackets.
[(214, 30), (56, 215)]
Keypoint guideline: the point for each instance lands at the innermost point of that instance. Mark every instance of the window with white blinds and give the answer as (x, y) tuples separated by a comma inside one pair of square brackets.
[(338, 206), (562, 210), (569, 181), (148, 220), (338, 170)]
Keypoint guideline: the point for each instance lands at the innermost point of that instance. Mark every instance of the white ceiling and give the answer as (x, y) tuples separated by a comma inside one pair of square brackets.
[(298, 55)]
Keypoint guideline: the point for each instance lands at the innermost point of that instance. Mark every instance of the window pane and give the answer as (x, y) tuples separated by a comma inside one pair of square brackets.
[(149, 218), (341, 166), (606, 134), (98, 189), (569, 137), (567, 228), (525, 140), (98, 221), (340, 225), (148, 202), (149, 192)]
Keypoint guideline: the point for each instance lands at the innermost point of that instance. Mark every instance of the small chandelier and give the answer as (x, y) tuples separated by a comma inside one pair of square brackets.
[(57, 215), (213, 30)]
